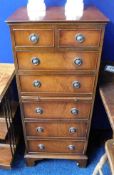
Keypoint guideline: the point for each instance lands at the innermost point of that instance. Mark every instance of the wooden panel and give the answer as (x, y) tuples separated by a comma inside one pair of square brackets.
[(5, 155), (107, 96), (7, 72), (57, 110), (109, 147), (7, 150), (45, 37), (56, 146), (67, 38), (3, 128), (5, 122), (57, 129), (57, 83), (50, 60)]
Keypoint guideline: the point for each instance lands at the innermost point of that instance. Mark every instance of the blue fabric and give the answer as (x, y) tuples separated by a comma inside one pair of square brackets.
[(107, 7), (57, 167)]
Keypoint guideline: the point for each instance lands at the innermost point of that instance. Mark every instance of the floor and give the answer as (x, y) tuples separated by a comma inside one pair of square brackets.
[(60, 167)]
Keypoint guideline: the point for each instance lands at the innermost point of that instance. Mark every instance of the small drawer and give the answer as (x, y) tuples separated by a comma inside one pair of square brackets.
[(77, 129), (57, 83), (34, 38), (57, 109), (51, 60), (56, 146), (79, 38)]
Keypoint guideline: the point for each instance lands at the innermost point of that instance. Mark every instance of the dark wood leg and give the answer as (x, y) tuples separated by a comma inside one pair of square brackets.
[(81, 163), (31, 161), (81, 160)]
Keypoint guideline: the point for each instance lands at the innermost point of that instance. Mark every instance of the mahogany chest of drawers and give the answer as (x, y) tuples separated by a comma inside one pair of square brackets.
[(57, 63)]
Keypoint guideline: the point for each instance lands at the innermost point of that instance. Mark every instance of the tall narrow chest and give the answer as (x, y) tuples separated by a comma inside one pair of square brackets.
[(57, 64)]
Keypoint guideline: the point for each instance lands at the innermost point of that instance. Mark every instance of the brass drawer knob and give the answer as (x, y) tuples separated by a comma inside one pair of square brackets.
[(72, 130), (41, 147), (36, 83), (78, 61), (40, 129), (34, 38), (76, 84), (80, 38), (71, 147), (35, 61), (74, 111), (39, 110)]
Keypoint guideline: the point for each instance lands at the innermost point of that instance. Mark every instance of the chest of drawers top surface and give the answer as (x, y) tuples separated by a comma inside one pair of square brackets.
[(57, 14)]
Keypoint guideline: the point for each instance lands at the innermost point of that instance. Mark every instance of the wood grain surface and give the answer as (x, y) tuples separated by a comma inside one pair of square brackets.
[(56, 146), (55, 14), (7, 72), (109, 147), (57, 129), (107, 96)]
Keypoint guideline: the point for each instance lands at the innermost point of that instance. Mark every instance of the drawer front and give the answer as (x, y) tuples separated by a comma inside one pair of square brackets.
[(36, 37), (79, 38), (56, 129), (57, 110), (45, 60), (56, 146), (57, 83)]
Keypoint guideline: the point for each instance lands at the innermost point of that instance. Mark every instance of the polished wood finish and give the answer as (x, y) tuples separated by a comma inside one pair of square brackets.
[(64, 60), (53, 14), (67, 38), (56, 146), (46, 37), (55, 74), (53, 110), (57, 83), (57, 129)]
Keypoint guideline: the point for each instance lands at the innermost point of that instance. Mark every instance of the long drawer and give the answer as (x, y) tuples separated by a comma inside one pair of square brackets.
[(77, 129), (61, 108), (53, 60), (56, 146), (57, 83)]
